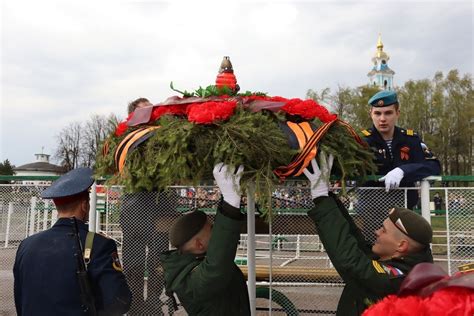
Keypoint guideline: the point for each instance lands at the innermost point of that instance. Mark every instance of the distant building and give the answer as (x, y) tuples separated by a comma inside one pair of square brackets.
[(41, 167), (381, 75)]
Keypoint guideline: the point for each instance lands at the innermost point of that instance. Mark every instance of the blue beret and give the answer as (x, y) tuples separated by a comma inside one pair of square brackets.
[(383, 98), (74, 182)]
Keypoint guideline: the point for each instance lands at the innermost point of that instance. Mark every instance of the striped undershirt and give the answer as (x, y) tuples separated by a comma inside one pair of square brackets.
[(389, 145)]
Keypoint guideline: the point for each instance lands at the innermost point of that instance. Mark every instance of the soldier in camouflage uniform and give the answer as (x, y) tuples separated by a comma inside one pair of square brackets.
[(369, 273)]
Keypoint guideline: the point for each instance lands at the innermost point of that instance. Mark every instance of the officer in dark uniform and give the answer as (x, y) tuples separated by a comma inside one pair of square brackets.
[(46, 264), (400, 155), (369, 273)]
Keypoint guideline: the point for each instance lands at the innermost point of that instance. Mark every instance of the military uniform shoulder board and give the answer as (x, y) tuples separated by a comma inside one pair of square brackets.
[(410, 132), (366, 132), (116, 262)]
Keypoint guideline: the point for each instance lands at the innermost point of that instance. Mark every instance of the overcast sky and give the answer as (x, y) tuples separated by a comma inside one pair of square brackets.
[(63, 61)]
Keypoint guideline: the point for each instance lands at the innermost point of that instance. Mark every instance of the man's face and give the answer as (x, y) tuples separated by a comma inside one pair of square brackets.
[(387, 241), (385, 118)]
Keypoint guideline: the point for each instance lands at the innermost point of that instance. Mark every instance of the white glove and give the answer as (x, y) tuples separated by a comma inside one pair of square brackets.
[(229, 182), (320, 178), (392, 179)]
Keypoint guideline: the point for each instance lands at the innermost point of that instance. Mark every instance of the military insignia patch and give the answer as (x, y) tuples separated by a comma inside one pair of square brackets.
[(366, 132), (392, 271), (404, 153), (116, 262)]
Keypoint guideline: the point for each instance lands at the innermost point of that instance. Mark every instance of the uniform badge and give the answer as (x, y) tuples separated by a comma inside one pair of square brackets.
[(116, 262), (380, 103), (404, 153), (392, 271)]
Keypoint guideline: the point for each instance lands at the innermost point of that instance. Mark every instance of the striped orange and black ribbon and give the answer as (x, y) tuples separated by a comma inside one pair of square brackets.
[(125, 145), (309, 146)]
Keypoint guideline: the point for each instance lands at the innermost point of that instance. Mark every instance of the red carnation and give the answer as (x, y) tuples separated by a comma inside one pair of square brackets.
[(177, 109), (308, 109), (209, 112), (121, 128), (447, 301)]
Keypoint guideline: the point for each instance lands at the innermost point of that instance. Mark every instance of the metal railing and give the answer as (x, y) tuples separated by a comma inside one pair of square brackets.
[(285, 254)]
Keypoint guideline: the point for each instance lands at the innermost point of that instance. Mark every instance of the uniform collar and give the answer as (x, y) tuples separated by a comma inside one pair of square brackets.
[(396, 134), (67, 221)]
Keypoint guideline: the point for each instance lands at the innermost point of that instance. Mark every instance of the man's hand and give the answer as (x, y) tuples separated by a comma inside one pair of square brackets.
[(320, 177), (392, 179), (228, 182)]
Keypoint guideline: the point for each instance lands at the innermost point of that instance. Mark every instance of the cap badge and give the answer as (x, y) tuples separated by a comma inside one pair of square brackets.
[(400, 225), (380, 103)]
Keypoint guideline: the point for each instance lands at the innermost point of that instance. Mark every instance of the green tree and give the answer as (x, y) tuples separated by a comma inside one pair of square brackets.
[(361, 109), (6, 169), (440, 110), (459, 108)]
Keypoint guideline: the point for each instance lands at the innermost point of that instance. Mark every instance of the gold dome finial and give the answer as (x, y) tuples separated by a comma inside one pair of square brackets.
[(379, 42)]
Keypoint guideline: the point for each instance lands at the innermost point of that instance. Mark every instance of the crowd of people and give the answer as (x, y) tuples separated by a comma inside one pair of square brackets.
[(68, 270)]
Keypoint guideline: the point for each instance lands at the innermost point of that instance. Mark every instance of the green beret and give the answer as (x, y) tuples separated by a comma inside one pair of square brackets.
[(412, 225), (383, 98), (186, 227)]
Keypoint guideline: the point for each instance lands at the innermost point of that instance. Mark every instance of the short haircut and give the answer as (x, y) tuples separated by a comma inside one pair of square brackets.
[(133, 105)]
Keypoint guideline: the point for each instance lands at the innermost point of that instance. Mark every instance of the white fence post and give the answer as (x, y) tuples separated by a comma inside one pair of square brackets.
[(31, 230), (7, 234), (425, 200), (92, 209), (45, 215), (251, 247), (298, 246)]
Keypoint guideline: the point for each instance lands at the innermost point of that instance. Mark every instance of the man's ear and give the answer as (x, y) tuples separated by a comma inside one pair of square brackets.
[(199, 244), (85, 207), (403, 246)]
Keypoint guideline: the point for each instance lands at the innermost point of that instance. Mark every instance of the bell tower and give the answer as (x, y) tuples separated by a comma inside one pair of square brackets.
[(381, 75)]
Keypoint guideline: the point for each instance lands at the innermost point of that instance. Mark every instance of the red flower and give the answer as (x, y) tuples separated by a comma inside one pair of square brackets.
[(447, 301), (177, 109), (121, 128), (308, 109), (209, 112)]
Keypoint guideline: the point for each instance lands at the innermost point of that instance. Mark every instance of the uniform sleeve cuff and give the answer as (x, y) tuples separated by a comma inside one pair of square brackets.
[(230, 211)]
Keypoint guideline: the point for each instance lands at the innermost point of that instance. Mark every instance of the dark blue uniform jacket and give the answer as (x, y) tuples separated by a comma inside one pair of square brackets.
[(45, 274), (408, 154)]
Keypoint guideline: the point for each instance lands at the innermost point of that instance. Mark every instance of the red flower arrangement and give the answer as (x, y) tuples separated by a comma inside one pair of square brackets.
[(159, 111), (122, 126), (448, 301), (308, 109), (208, 112)]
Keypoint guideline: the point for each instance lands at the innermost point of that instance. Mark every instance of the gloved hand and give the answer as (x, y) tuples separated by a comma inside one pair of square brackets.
[(320, 177), (392, 179), (228, 182)]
